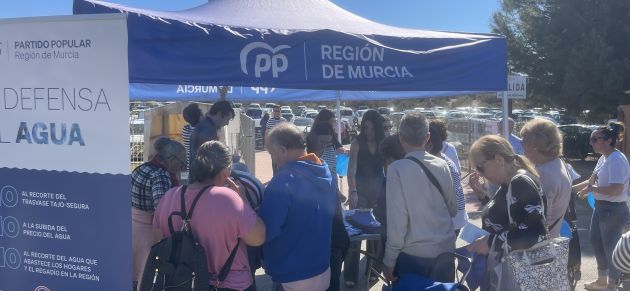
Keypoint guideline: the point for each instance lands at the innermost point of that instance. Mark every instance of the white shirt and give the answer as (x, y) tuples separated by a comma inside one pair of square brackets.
[(450, 151), (613, 170)]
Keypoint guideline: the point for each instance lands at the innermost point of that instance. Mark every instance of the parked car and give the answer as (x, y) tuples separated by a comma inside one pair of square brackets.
[(287, 114), (384, 110), (348, 114), (254, 106), (254, 113), (237, 105), (320, 108), (270, 105), (299, 110), (304, 124), (576, 140), (396, 117), (359, 115), (310, 113)]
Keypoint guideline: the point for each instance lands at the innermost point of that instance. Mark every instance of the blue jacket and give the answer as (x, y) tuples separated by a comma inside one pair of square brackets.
[(298, 211)]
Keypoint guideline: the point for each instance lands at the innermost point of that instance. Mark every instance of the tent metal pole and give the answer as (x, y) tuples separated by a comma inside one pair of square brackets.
[(506, 128), (338, 115)]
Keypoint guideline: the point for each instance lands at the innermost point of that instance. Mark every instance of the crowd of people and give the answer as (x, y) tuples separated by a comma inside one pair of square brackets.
[(293, 226)]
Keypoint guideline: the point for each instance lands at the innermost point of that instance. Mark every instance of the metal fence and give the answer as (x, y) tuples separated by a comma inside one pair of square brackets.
[(136, 140), (238, 137), (463, 132)]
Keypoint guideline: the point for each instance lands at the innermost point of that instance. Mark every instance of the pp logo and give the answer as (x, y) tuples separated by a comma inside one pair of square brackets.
[(41, 288), (265, 62)]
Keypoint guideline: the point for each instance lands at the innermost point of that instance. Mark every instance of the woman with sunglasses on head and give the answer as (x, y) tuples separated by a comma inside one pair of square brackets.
[(495, 160), (609, 184), (149, 182), (542, 144)]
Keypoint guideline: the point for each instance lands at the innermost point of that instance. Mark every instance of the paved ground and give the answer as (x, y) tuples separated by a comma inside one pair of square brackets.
[(589, 267)]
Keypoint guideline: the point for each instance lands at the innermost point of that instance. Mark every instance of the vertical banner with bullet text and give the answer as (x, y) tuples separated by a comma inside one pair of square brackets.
[(64, 154)]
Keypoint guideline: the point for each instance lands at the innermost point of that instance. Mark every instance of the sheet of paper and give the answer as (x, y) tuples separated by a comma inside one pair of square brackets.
[(471, 232)]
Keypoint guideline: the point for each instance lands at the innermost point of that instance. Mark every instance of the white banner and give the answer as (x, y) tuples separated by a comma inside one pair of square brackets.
[(64, 94), (517, 87), (64, 162)]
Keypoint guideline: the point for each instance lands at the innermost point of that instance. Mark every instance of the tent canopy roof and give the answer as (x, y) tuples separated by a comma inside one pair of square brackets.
[(305, 44), (288, 16)]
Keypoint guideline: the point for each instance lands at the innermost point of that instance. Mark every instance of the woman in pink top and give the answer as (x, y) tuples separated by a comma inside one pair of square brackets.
[(220, 217)]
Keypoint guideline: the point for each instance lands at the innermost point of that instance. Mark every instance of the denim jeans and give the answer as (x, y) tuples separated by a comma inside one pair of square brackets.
[(439, 269), (607, 225)]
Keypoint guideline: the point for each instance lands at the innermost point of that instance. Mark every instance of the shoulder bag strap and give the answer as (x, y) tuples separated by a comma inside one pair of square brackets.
[(432, 178), (194, 203), (228, 264), (182, 213), (178, 213)]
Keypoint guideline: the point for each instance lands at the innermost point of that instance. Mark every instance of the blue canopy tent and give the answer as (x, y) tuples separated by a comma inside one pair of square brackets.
[(168, 92), (297, 45)]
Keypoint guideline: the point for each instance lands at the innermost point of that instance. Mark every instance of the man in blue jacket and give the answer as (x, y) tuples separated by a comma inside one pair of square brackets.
[(298, 211)]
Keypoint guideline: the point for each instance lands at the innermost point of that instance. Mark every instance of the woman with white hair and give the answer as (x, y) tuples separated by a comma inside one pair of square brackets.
[(542, 144)]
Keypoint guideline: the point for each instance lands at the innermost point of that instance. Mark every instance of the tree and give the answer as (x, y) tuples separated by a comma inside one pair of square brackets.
[(575, 52)]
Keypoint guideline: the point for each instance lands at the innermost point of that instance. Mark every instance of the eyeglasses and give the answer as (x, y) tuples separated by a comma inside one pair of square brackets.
[(387, 127), (182, 163), (480, 167), (595, 138)]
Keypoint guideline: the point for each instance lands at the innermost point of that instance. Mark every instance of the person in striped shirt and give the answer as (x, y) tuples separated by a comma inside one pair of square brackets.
[(192, 115), (434, 147), (621, 259), (276, 119)]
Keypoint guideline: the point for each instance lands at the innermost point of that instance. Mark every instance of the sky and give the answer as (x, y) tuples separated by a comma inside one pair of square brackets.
[(444, 15)]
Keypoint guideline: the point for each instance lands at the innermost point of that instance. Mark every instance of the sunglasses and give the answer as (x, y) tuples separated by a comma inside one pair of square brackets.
[(595, 138), (480, 167)]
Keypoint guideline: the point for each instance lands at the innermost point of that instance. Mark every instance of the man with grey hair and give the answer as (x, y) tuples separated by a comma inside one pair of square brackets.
[(420, 205), (298, 211)]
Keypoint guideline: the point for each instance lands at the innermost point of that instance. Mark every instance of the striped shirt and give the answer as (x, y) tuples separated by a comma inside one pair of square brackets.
[(272, 122), (253, 189), (329, 155), (621, 254), (148, 184), (460, 219), (186, 134)]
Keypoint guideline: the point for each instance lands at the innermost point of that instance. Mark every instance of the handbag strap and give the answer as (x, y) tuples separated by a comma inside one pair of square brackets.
[(509, 195), (432, 178)]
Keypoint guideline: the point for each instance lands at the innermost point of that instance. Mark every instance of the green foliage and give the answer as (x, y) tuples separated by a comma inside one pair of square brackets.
[(575, 52)]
